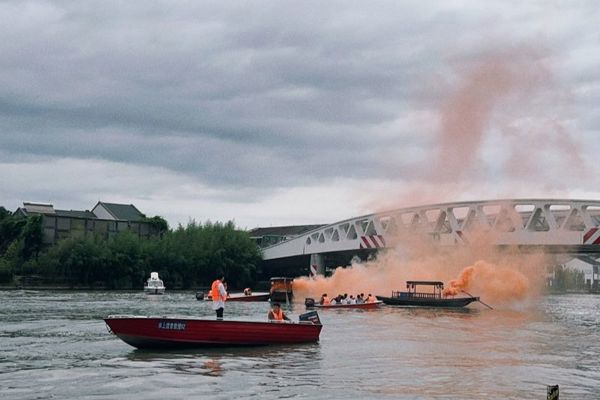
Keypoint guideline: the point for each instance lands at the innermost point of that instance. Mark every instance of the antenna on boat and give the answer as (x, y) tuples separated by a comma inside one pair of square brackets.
[(467, 293)]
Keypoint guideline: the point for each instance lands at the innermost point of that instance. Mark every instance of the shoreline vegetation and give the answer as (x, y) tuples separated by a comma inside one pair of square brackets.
[(186, 257)]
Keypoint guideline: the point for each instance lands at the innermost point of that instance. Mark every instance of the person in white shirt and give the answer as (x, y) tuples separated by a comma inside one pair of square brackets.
[(344, 299), (219, 296)]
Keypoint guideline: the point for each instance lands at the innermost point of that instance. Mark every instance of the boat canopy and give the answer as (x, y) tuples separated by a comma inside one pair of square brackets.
[(284, 279), (438, 286), (431, 283)]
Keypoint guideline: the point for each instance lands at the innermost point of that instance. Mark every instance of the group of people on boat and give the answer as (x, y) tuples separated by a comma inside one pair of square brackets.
[(247, 291), (345, 299)]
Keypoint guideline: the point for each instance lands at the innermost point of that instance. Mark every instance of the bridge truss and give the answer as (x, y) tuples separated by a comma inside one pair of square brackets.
[(552, 223)]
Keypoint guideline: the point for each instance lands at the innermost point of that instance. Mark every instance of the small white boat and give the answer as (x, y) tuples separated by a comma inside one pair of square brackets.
[(154, 285)]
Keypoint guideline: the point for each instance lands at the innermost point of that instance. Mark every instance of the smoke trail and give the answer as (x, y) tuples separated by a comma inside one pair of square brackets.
[(497, 283), (497, 97)]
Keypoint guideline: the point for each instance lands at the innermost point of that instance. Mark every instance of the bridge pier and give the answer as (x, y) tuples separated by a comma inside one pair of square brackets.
[(317, 264)]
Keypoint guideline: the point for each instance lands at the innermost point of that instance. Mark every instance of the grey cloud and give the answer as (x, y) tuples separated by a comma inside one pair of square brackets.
[(240, 94)]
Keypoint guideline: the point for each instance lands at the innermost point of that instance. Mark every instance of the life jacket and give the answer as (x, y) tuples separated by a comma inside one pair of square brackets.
[(214, 290), (370, 299), (277, 316), (326, 300)]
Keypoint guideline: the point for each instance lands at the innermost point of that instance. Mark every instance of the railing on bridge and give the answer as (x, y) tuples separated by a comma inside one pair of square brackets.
[(529, 222)]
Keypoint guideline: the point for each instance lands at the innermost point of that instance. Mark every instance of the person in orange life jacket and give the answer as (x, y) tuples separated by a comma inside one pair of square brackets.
[(276, 314), (370, 299), (219, 296), (324, 300)]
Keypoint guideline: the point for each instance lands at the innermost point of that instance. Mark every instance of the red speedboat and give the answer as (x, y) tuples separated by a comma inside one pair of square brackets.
[(367, 306), (249, 297), (239, 297), (168, 332)]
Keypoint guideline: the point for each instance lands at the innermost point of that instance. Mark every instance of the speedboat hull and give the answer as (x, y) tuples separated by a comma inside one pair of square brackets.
[(170, 332), (155, 290), (250, 297), (428, 302), (361, 306), (239, 297)]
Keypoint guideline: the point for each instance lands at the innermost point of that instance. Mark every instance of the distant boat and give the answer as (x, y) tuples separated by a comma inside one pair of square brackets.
[(259, 296), (425, 299), (281, 289), (173, 332), (154, 285)]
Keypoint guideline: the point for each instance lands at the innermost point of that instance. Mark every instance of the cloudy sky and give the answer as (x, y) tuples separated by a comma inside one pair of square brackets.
[(274, 113)]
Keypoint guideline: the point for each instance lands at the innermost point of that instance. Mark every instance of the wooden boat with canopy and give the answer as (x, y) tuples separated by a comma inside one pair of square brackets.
[(425, 299), (281, 289)]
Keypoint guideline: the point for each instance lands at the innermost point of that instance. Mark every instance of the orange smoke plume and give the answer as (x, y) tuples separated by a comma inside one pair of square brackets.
[(502, 283), (494, 98), (462, 283), (504, 280)]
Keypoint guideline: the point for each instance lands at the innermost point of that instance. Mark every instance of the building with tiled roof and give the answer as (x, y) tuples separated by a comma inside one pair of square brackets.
[(105, 220), (127, 212)]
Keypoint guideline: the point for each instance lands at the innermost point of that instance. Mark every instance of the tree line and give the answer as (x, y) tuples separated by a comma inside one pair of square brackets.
[(187, 257)]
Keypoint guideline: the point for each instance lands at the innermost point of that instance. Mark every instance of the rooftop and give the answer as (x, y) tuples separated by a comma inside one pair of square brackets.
[(291, 230), (126, 212)]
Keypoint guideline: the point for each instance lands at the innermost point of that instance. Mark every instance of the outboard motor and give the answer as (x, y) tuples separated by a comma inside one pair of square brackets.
[(311, 316), (199, 295), (309, 302)]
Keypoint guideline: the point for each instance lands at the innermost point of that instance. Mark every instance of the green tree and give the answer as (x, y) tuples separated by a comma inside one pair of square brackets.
[(33, 237), (185, 257)]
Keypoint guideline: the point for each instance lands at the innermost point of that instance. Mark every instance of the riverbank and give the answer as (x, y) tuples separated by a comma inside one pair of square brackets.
[(259, 286)]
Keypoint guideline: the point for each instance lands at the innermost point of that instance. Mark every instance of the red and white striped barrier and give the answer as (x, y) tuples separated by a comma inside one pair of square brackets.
[(592, 236), (372, 242), (313, 272)]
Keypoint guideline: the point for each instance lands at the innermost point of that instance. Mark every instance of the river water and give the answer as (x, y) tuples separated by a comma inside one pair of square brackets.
[(55, 345)]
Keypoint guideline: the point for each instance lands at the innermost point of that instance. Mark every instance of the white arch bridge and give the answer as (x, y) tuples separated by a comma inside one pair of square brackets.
[(567, 227)]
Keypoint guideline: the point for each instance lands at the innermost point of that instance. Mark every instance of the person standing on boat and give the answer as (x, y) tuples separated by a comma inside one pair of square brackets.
[(219, 296), (276, 314)]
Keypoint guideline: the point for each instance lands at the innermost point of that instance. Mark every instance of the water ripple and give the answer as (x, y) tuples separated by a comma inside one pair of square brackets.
[(54, 344)]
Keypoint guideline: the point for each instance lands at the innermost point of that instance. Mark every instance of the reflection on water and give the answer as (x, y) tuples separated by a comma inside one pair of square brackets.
[(60, 339)]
